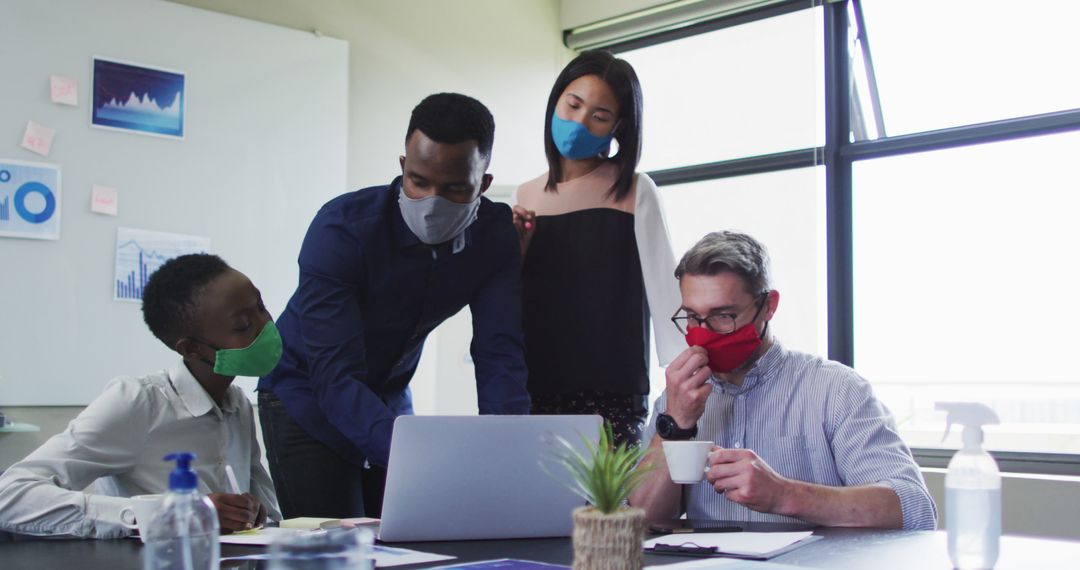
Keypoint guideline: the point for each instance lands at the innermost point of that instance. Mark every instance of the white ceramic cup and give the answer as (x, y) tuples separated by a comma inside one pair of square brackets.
[(137, 515), (686, 460)]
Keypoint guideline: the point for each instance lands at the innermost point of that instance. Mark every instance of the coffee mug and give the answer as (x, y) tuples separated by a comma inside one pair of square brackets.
[(686, 460), (137, 515)]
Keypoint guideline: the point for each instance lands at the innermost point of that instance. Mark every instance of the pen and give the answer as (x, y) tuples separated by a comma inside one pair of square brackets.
[(236, 490), (684, 548), (706, 529)]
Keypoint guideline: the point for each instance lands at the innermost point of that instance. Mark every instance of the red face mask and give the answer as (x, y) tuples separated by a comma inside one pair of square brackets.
[(726, 351)]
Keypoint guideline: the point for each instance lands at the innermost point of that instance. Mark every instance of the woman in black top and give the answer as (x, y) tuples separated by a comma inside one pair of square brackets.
[(597, 257)]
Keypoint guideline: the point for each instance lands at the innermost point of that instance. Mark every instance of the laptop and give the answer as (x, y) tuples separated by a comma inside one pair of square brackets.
[(479, 477)]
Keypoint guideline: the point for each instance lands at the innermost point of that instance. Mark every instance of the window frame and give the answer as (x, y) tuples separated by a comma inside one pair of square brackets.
[(838, 154)]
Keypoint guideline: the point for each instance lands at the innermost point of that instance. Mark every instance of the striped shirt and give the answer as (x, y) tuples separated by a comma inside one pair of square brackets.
[(810, 419)]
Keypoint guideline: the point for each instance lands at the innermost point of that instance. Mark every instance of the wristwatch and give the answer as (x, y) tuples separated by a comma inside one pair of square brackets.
[(667, 428)]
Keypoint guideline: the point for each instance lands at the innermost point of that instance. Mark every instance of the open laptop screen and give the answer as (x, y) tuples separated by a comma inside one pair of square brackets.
[(479, 477)]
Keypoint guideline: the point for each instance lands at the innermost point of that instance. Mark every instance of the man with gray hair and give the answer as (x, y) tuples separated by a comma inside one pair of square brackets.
[(797, 437)]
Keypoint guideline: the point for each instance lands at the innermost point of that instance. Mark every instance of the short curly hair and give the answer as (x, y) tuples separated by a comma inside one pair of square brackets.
[(452, 118), (169, 297)]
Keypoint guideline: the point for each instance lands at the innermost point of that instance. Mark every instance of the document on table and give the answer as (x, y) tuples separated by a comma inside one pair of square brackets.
[(754, 545), (502, 564), (725, 564), (384, 556), (260, 537)]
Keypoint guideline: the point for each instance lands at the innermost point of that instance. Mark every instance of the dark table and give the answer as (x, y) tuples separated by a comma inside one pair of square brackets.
[(843, 549)]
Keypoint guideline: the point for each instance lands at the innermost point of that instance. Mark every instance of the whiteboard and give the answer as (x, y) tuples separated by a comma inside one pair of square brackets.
[(264, 147)]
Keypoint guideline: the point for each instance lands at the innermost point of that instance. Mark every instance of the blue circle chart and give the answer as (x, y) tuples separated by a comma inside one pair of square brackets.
[(20, 202)]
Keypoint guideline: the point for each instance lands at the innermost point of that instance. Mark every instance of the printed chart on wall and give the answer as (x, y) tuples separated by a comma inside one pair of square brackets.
[(138, 99), (139, 253), (29, 200)]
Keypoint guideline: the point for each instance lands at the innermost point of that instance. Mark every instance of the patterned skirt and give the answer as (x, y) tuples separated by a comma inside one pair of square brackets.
[(627, 413)]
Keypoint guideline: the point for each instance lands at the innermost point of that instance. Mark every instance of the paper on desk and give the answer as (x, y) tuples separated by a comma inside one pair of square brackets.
[(384, 556), (502, 564), (309, 523), (261, 537), (724, 564), (746, 543), (387, 556)]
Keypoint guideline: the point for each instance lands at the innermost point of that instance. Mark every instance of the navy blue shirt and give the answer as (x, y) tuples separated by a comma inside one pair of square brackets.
[(370, 292)]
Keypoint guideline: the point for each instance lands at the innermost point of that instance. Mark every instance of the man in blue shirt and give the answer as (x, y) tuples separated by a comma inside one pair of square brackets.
[(380, 268), (798, 437)]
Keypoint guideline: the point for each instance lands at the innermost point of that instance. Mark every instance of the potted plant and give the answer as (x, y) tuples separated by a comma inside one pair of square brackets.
[(608, 534)]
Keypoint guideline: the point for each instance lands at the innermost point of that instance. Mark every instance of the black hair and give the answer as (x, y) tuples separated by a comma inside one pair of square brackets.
[(453, 118), (169, 297), (620, 76)]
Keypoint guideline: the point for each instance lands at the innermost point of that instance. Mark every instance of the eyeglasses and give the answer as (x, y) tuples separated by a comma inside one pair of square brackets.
[(722, 323)]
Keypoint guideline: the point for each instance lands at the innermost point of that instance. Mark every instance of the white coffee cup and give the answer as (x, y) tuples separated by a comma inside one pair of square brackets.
[(137, 515), (686, 460)]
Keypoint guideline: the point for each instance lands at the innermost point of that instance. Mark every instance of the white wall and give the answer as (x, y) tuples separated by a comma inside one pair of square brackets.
[(264, 147), (506, 54)]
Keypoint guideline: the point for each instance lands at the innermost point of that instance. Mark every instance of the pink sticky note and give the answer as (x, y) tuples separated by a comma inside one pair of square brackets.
[(103, 200), (65, 90), (38, 138)]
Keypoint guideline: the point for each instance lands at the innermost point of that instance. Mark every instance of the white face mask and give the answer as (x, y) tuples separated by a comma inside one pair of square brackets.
[(435, 219)]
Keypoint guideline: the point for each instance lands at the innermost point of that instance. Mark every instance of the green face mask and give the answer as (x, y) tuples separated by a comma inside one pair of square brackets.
[(257, 359)]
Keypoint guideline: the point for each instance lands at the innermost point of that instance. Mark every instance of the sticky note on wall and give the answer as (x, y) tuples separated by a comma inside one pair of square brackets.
[(103, 200), (38, 138), (64, 90)]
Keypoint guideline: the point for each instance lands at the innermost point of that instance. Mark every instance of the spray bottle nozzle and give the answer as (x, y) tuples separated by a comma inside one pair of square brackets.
[(971, 415), (183, 477)]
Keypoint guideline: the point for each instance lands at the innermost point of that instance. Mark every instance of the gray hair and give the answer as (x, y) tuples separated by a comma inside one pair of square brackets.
[(733, 252)]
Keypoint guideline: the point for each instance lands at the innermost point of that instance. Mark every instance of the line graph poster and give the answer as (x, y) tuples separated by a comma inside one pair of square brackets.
[(139, 253), (138, 98)]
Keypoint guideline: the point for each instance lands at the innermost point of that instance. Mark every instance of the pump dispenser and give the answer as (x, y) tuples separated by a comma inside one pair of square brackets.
[(183, 533), (972, 490)]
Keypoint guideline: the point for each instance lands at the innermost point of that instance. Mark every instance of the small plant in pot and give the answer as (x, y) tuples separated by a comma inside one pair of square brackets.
[(608, 534)]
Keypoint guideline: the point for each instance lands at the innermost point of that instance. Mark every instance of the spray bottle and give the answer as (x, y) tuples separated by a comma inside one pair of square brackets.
[(972, 490)]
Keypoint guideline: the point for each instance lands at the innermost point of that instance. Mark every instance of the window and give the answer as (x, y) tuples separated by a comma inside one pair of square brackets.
[(783, 209), (732, 93), (944, 64), (964, 287), (919, 213), (740, 91), (786, 211)]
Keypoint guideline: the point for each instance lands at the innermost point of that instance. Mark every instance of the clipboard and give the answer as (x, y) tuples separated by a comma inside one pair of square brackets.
[(685, 545)]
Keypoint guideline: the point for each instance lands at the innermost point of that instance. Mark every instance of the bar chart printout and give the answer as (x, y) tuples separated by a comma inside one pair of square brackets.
[(139, 253)]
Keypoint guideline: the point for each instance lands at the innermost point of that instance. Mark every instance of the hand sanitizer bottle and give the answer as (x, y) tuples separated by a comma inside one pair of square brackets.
[(972, 490), (183, 533)]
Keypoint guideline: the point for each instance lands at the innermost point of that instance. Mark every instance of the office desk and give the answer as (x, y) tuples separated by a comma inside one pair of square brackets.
[(841, 549)]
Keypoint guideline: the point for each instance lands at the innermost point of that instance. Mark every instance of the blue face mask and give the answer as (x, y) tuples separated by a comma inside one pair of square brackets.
[(575, 142)]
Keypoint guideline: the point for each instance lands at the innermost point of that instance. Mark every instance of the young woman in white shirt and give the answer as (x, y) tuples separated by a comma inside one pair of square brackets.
[(597, 259)]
